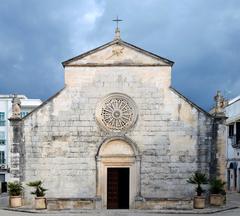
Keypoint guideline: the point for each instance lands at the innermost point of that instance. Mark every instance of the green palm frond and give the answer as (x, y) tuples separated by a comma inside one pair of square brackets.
[(39, 190), (15, 188), (217, 186), (198, 178)]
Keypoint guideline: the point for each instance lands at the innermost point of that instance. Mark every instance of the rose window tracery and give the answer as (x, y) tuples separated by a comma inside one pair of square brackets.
[(117, 112)]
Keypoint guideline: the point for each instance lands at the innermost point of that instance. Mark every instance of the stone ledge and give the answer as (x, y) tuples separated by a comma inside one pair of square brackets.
[(168, 203), (69, 203), (72, 199), (166, 199)]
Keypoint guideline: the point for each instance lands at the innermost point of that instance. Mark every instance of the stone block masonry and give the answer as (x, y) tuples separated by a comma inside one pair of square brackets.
[(66, 147)]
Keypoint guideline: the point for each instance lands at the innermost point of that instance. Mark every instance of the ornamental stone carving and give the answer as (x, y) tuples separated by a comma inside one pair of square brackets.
[(16, 107), (220, 103), (116, 112)]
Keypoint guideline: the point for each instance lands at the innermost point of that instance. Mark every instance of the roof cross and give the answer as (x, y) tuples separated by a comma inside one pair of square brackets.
[(117, 30), (117, 21)]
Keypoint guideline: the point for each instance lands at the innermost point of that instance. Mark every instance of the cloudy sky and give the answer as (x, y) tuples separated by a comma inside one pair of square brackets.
[(202, 37)]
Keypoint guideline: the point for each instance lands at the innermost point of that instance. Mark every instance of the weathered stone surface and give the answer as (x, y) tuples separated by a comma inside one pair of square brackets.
[(172, 137)]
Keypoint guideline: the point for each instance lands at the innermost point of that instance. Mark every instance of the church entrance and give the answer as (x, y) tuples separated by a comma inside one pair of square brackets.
[(117, 188), (118, 174)]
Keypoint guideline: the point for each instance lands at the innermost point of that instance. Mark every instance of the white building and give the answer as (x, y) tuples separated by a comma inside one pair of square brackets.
[(233, 144), (5, 113)]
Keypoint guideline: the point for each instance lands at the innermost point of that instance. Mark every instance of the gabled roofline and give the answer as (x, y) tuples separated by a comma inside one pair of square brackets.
[(118, 41), (171, 63), (232, 101), (190, 102), (43, 104)]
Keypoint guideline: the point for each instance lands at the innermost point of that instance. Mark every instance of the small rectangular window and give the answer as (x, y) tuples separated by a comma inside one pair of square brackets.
[(2, 178), (2, 118), (231, 130), (2, 157), (2, 138), (238, 133), (23, 114), (2, 135)]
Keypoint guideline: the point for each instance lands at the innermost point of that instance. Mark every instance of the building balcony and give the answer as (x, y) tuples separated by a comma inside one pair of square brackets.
[(234, 142)]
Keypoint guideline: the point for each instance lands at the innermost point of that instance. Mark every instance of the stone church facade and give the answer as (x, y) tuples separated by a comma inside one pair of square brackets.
[(118, 135)]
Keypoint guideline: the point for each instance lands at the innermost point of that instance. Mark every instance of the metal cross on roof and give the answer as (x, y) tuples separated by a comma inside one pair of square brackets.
[(117, 21)]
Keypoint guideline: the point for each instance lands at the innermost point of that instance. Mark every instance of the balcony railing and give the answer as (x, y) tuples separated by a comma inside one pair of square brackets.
[(233, 141)]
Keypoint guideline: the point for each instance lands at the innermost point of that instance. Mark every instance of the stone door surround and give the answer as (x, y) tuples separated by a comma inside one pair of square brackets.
[(117, 152)]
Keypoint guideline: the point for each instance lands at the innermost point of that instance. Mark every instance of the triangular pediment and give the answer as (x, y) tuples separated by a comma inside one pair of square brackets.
[(118, 53)]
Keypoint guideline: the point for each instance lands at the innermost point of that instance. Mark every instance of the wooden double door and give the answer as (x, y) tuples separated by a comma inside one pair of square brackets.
[(117, 188)]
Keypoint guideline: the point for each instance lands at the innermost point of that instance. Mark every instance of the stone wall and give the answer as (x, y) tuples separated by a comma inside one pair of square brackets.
[(61, 138)]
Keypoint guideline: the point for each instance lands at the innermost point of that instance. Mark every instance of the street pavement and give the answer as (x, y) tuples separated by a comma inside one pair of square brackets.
[(3, 200), (234, 212)]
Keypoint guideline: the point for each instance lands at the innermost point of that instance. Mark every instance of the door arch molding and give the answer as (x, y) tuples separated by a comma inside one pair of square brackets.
[(122, 138)]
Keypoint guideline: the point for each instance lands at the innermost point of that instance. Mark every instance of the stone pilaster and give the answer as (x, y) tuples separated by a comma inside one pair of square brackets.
[(15, 140), (218, 150), (15, 149)]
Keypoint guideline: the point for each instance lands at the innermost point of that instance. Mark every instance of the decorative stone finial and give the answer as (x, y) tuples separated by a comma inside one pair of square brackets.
[(16, 107), (220, 103), (117, 31)]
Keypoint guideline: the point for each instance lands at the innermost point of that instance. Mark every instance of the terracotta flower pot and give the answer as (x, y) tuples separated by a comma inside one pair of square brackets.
[(216, 199), (15, 201), (199, 202), (40, 203)]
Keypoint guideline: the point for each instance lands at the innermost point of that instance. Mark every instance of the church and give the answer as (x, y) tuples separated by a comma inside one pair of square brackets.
[(117, 136)]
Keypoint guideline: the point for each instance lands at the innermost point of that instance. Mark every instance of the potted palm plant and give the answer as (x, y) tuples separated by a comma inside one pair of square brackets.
[(198, 179), (40, 200), (15, 194), (217, 196)]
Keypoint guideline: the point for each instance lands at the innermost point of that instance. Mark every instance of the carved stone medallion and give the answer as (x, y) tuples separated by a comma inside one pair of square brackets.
[(116, 112)]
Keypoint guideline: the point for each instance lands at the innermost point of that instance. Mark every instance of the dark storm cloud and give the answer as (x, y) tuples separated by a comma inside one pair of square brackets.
[(36, 36), (201, 36)]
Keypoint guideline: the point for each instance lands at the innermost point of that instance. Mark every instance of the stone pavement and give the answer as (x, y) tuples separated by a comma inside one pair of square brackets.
[(233, 212), (232, 208), (3, 200), (233, 198)]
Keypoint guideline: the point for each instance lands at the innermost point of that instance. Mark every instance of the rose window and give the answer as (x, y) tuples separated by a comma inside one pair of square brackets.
[(117, 112)]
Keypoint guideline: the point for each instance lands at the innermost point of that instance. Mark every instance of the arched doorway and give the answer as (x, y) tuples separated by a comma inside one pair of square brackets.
[(118, 173)]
